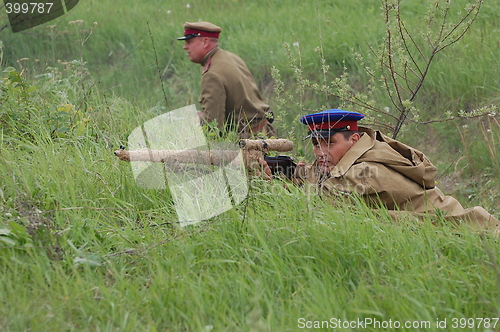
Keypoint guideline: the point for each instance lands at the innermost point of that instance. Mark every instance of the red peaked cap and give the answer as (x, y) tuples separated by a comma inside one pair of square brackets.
[(200, 29), (326, 123), (201, 33)]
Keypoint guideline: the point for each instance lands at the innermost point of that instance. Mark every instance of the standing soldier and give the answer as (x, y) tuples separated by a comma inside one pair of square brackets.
[(229, 94)]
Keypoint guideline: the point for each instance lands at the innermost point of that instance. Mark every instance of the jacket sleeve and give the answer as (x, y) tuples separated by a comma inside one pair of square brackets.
[(213, 99), (376, 182)]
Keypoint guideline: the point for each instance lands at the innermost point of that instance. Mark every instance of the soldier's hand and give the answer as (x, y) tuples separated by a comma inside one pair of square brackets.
[(260, 168), (300, 173), (265, 170)]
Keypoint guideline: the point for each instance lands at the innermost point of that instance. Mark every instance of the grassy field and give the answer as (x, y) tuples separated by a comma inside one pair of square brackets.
[(83, 248)]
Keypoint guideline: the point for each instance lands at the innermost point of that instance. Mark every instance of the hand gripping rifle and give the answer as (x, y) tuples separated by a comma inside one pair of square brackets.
[(252, 151), (255, 149)]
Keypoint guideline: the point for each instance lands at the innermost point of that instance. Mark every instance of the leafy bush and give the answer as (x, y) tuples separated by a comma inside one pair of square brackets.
[(44, 107)]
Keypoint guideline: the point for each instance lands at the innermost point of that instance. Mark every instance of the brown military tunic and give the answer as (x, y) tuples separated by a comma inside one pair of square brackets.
[(389, 173), (230, 95)]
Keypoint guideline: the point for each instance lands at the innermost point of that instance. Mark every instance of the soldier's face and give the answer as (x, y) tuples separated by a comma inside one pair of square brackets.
[(330, 151), (196, 48)]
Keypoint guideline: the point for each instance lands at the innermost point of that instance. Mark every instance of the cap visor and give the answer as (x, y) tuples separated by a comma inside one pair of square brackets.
[(321, 134), (185, 37)]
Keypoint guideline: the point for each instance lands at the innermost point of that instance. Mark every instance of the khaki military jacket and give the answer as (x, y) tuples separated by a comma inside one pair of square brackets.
[(389, 173), (230, 95)]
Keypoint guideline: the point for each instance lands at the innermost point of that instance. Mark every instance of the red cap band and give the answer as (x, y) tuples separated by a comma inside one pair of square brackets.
[(201, 33), (352, 125)]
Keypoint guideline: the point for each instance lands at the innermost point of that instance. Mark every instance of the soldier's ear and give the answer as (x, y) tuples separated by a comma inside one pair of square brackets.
[(355, 137)]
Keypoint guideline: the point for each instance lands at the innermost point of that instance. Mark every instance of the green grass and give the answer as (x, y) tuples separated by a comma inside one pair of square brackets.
[(262, 273), (120, 53), (82, 247)]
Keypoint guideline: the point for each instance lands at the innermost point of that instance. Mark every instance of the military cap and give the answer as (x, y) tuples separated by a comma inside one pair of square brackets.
[(326, 123), (200, 29)]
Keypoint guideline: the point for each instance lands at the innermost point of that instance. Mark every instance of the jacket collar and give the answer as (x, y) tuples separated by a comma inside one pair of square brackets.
[(209, 55)]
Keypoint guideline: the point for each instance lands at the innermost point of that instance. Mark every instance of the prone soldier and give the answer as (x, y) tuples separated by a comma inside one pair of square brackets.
[(383, 171)]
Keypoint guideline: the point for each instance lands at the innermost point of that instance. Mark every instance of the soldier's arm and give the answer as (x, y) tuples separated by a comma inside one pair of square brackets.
[(213, 99)]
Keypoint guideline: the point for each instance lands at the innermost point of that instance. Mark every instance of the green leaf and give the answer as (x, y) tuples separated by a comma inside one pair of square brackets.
[(91, 260), (5, 231), (18, 230), (9, 69), (8, 241)]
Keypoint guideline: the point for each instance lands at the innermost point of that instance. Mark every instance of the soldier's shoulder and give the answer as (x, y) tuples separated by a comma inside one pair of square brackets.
[(225, 58), (222, 62)]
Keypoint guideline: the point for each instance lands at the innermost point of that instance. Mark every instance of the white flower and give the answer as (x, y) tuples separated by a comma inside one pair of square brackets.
[(188, 6), (296, 44), (169, 12)]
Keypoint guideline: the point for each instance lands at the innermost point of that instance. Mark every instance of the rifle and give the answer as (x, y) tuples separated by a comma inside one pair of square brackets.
[(281, 165), (252, 150)]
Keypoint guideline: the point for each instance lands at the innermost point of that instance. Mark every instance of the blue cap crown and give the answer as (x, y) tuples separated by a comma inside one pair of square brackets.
[(327, 123)]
